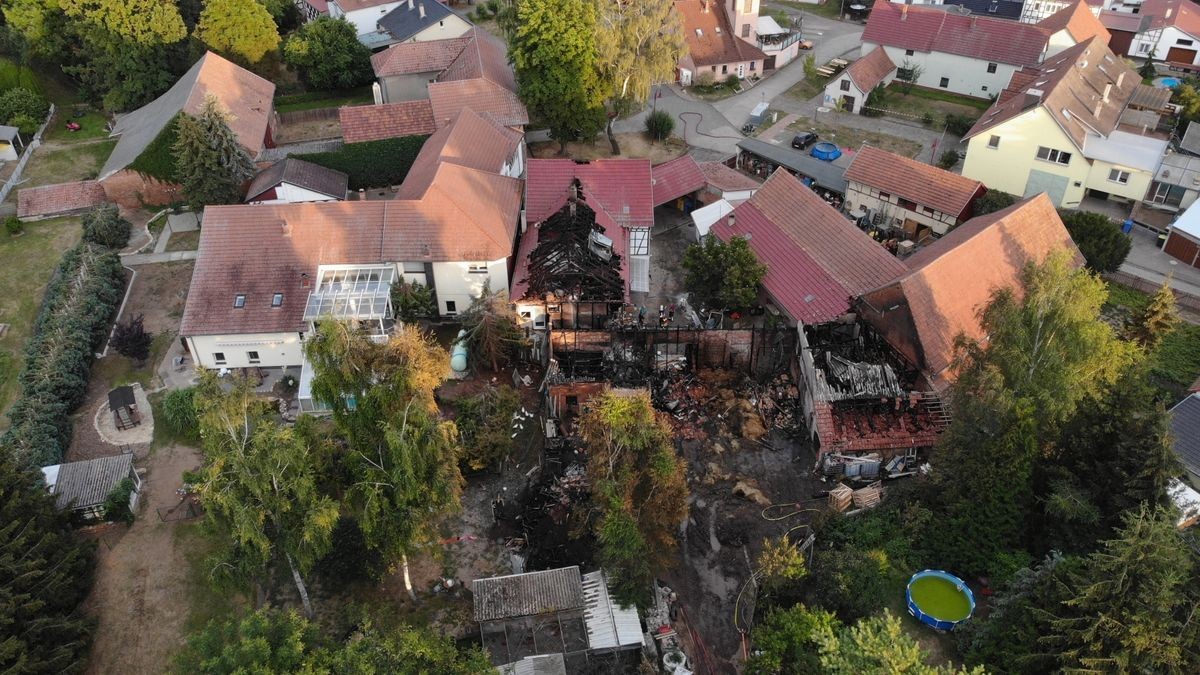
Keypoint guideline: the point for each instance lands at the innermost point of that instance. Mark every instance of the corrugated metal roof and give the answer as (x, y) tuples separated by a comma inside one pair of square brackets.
[(528, 594), (827, 175), (1185, 429), (609, 625), (543, 664), (81, 485)]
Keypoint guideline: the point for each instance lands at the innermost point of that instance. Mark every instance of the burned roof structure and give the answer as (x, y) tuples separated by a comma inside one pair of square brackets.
[(573, 259)]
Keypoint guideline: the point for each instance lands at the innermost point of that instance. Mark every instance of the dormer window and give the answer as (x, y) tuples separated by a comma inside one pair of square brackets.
[(277, 300), (699, 33), (239, 301)]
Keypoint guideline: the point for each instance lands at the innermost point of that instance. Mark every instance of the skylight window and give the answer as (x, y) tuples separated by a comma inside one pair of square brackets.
[(239, 301)]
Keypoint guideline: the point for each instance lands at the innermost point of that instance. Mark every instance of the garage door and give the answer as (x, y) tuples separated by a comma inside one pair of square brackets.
[(1054, 186), (1181, 55)]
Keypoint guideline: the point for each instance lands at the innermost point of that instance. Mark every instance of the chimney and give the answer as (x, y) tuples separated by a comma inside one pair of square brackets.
[(904, 12), (1107, 90), (421, 8), (732, 221), (974, 20), (410, 5), (1120, 78), (704, 6), (286, 228)]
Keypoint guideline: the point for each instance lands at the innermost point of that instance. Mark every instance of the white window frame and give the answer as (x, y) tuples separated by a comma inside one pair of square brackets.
[(253, 357), (1118, 176), (477, 268), (277, 300), (993, 142), (239, 301), (639, 241), (219, 358)]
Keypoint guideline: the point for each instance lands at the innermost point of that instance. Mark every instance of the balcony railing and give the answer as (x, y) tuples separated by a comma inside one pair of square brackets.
[(778, 42)]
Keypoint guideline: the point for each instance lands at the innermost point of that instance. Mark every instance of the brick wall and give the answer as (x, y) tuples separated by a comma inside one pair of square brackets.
[(133, 190)]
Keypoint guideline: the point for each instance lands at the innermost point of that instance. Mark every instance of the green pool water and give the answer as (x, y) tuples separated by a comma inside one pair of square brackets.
[(940, 598)]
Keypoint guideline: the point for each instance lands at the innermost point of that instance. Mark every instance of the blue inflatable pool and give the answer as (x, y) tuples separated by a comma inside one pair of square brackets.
[(939, 599), (826, 151)]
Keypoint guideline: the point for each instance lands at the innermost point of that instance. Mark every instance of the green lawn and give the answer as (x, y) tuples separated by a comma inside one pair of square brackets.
[(831, 9), (64, 165), (1176, 362), (847, 137), (807, 89), (312, 100), (29, 260), (92, 121), (915, 105)]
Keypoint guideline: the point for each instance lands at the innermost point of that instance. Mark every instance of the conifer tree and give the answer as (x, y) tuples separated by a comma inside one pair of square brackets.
[(493, 329), (44, 576), (210, 161), (1159, 318)]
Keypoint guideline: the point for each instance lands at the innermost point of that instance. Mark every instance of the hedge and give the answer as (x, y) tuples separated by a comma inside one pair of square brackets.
[(73, 321), (158, 159), (14, 75), (374, 163)]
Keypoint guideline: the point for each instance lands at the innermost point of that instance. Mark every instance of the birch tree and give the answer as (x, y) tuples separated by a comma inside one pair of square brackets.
[(403, 459), (258, 485)]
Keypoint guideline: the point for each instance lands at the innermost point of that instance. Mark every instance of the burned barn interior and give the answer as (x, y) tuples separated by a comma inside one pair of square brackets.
[(863, 400), (575, 269)]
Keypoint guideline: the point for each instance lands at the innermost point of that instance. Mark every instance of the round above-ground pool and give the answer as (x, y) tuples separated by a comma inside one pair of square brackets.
[(826, 151), (939, 599)]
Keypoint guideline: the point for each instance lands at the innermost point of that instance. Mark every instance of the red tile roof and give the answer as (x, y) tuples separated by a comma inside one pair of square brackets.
[(480, 95), (1078, 21), (922, 312), (676, 178), (915, 181), (932, 29), (1154, 14), (63, 198), (361, 123), (726, 178), (817, 260), (715, 44), (300, 173), (618, 190), (418, 57), (870, 70), (471, 140), (259, 250)]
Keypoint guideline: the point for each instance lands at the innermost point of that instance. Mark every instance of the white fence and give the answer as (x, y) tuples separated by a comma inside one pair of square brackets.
[(32, 145)]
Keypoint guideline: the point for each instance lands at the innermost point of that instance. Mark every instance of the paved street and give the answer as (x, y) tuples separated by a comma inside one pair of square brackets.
[(713, 129), (1148, 262)]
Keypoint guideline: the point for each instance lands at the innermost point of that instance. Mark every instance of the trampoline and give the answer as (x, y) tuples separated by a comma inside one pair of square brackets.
[(939, 599)]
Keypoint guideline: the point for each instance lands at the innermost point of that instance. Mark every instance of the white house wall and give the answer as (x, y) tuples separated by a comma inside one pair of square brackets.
[(866, 197), (450, 27), (834, 93), (365, 19), (1170, 39), (286, 193), (274, 350), (455, 283), (966, 76)]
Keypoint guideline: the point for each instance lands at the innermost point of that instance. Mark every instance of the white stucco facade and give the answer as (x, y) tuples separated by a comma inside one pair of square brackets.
[(286, 193), (450, 27), (862, 200), (458, 283), (951, 72), (1162, 42), (364, 19), (259, 350)]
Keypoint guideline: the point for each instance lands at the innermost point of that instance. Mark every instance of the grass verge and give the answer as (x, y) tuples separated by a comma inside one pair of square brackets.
[(29, 260), (311, 100), (65, 165), (848, 137)]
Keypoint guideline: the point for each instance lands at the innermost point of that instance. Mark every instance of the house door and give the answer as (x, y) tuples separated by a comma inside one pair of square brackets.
[(1181, 55), (741, 70), (847, 103)]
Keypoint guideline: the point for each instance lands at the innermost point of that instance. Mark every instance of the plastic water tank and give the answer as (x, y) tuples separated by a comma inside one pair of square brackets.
[(458, 353)]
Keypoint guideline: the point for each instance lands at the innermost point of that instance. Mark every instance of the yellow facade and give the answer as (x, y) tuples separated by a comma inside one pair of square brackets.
[(1013, 165)]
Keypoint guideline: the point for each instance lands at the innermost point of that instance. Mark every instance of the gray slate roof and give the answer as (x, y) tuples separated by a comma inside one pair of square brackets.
[(403, 23), (85, 484), (301, 174), (528, 594), (8, 133), (1185, 429), (543, 664), (825, 174), (1191, 139)]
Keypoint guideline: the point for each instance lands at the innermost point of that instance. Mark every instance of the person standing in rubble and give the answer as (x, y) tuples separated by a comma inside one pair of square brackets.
[(671, 313), (642, 316)]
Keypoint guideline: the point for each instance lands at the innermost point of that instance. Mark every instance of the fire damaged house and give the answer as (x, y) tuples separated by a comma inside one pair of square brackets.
[(873, 378)]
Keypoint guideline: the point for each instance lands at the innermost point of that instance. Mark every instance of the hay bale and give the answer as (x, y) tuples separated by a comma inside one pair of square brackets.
[(746, 490)]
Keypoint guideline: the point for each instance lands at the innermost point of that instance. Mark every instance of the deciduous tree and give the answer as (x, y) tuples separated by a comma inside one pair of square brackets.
[(258, 485), (327, 54), (786, 642), (553, 51), (239, 29), (404, 460), (141, 22), (877, 645), (210, 161), (638, 489), (265, 641), (720, 274)]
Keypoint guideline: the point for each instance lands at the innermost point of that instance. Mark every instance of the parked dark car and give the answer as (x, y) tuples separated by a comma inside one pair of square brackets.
[(803, 140)]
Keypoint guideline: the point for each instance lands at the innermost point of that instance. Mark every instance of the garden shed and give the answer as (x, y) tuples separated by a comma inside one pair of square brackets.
[(84, 486)]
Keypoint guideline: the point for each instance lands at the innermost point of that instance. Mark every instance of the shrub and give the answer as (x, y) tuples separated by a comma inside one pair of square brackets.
[(116, 505), (78, 304), (873, 105), (948, 159), (927, 118), (733, 82), (20, 102), (705, 79), (179, 412), (660, 124), (958, 125), (372, 164), (131, 340), (1103, 245), (104, 226), (992, 201), (158, 159), (485, 425), (13, 226), (411, 302)]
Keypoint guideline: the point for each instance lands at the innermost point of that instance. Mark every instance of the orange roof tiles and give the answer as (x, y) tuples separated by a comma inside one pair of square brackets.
[(933, 29), (361, 123), (1078, 21), (483, 96), (726, 178), (915, 181), (715, 43), (471, 140), (676, 178), (924, 310), (62, 198), (618, 190), (870, 70), (418, 57)]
